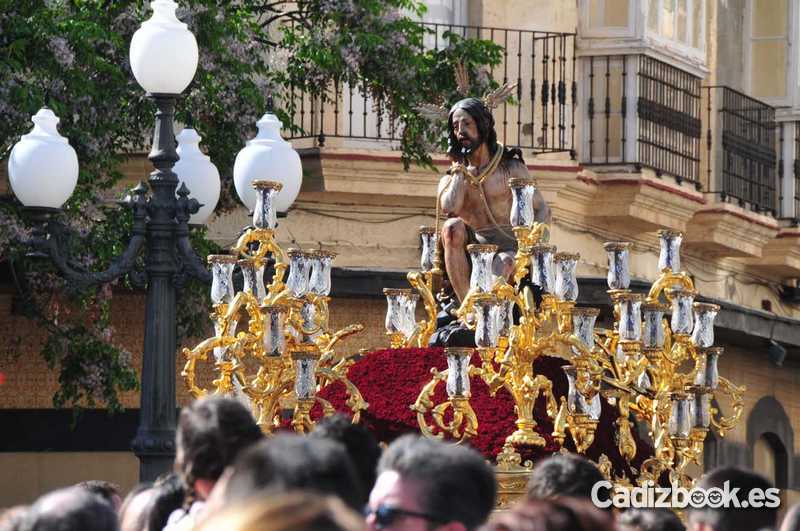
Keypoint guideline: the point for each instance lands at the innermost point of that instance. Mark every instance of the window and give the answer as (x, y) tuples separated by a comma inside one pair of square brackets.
[(608, 13), (768, 49), (680, 21)]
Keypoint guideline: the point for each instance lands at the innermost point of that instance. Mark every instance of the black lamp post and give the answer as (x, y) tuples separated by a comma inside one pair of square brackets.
[(164, 59)]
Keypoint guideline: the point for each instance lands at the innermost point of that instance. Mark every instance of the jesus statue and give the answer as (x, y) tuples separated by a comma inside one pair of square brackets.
[(475, 194)]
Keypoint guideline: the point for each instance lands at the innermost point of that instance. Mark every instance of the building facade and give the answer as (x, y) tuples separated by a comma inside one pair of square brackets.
[(633, 115)]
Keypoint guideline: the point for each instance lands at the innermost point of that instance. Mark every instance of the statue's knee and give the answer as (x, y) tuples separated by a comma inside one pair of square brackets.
[(454, 233)]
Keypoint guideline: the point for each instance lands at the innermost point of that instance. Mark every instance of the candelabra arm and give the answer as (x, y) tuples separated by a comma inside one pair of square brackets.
[(427, 327), (667, 280), (725, 424)]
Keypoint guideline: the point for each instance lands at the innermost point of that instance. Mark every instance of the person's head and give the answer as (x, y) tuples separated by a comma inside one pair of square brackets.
[(791, 521), (296, 511), (469, 124), (12, 517), (167, 496), (134, 511), (565, 475), (650, 519), (70, 509), (561, 514), (426, 484), (731, 517), (359, 443), (290, 462), (211, 433), (105, 489)]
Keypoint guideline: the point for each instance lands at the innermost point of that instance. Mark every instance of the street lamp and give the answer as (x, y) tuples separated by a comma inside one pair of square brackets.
[(43, 171)]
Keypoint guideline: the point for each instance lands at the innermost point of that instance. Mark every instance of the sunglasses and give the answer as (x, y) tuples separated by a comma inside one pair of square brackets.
[(386, 515)]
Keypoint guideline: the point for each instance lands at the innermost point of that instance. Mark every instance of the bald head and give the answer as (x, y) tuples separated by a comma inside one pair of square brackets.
[(70, 509)]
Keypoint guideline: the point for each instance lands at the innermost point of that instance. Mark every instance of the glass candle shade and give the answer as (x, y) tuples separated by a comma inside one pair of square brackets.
[(630, 316), (669, 258), (653, 329), (297, 282), (566, 265), (273, 339), (458, 362), (222, 277), (305, 378), (644, 382), (396, 300), (220, 352), (680, 418), (308, 312), (543, 267), (481, 278), (429, 240), (409, 318), (576, 402), (703, 332), (487, 332), (706, 367), (700, 407), (523, 191), (583, 320), (319, 281), (505, 318), (253, 278), (682, 321), (264, 213), (619, 275)]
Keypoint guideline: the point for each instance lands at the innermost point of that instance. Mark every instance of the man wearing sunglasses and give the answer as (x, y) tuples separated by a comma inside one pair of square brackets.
[(426, 485)]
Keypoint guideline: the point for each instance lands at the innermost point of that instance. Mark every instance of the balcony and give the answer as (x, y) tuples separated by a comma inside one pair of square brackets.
[(741, 177), (541, 120), (641, 137)]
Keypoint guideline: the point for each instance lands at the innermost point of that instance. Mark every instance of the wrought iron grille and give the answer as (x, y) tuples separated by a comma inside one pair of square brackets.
[(540, 119), (796, 168), (642, 111), (746, 149)]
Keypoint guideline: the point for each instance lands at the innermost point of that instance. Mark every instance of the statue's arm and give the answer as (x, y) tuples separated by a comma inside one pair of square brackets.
[(540, 207), (451, 193)]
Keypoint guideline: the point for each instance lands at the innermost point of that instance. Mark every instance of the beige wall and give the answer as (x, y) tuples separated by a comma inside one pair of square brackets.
[(28, 475)]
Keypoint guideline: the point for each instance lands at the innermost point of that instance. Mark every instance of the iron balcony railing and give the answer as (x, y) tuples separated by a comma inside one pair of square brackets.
[(541, 119), (742, 147), (643, 112)]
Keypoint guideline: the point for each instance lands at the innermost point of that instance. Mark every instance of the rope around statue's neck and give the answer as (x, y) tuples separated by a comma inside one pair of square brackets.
[(474, 180)]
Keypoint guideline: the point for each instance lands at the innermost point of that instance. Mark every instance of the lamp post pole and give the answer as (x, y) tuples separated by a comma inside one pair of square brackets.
[(154, 444)]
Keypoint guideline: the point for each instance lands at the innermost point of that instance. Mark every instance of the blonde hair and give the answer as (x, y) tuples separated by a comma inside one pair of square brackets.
[(297, 511)]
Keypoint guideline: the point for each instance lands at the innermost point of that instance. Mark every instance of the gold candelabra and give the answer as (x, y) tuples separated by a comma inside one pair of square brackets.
[(662, 373), (273, 346)]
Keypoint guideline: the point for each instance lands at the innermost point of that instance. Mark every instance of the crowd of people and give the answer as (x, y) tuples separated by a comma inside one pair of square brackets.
[(228, 476)]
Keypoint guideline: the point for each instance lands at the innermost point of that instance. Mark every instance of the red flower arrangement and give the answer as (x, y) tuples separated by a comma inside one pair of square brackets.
[(391, 379)]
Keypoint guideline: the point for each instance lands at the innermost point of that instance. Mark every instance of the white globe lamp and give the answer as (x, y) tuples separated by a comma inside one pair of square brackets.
[(268, 157), (43, 167), (200, 175), (163, 51)]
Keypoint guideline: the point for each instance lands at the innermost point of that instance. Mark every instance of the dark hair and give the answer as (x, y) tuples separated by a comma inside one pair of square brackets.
[(289, 462), (211, 433), (168, 495), (651, 519), (70, 509), (359, 443), (141, 519), (749, 519), (562, 514), (565, 475), (456, 484), (104, 489), (484, 122)]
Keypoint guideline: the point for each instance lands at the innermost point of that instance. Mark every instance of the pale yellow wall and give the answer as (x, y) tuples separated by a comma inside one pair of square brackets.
[(27, 475)]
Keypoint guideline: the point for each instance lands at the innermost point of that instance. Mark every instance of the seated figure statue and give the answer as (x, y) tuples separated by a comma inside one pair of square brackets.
[(475, 194)]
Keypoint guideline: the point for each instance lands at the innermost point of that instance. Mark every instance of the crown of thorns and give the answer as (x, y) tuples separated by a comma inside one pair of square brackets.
[(491, 100)]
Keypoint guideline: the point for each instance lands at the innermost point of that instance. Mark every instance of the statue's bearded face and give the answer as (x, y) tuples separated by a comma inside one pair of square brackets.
[(466, 131)]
